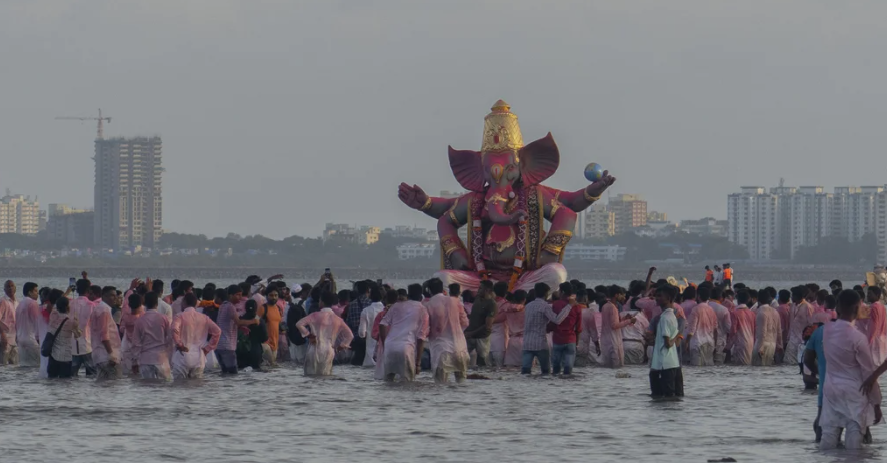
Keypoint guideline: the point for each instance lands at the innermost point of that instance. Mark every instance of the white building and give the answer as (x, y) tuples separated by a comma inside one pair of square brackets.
[(18, 214), (416, 251), (707, 226), (611, 253), (752, 215)]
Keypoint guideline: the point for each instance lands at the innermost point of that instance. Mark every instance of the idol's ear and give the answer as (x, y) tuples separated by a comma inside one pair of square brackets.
[(468, 169), (539, 160)]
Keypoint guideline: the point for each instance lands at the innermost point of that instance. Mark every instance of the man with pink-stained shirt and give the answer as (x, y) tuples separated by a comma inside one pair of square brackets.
[(106, 352), (81, 348), (27, 316), (190, 331), (8, 346), (151, 339), (702, 330), (742, 339), (877, 327), (403, 331), (446, 338), (612, 349)]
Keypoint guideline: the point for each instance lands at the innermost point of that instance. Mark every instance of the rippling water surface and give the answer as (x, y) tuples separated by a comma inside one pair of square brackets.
[(750, 414)]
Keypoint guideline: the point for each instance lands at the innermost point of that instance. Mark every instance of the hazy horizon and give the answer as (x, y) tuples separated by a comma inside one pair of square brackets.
[(278, 116)]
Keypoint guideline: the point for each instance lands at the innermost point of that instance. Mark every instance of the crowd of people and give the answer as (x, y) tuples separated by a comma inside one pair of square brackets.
[(144, 332)]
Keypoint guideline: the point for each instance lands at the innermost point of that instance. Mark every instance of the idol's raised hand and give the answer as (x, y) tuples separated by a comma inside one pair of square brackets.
[(412, 196), (597, 188)]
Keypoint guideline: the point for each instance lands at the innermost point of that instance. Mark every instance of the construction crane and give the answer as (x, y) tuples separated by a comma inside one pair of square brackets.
[(100, 133)]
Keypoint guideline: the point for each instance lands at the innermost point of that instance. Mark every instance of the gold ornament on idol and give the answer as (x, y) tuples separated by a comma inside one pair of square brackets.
[(501, 131), (450, 244), (427, 205), (589, 197), (556, 241)]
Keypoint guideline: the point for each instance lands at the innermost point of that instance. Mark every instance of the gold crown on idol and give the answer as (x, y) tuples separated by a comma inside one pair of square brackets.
[(501, 131)]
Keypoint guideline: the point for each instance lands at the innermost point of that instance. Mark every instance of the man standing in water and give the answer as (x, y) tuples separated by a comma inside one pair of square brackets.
[(403, 331), (480, 323), (537, 314), (768, 331), (849, 359), (742, 338), (612, 353), (702, 326), (446, 340), (81, 310), (150, 342), (566, 333), (228, 321), (664, 365), (105, 337), (326, 334), (724, 322), (190, 331), (26, 322)]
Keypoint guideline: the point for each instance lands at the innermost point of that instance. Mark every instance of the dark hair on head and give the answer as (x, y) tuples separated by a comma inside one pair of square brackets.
[(414, 292), (717, 293), (876, 291), (785, 296), (799, 292), (95, 290), (821, 295), (668, 291), (729, 293), (765, 297), (178, 292), (615, 290), (436, 286), (190, 300), (500, 289), (706, 284), (82, 286), (151, 300), (519, 296), (635, 288), (857, 288), (328, 298), (28, 287), (848, 301), (253, 279), (831, 302), (44, 293), (234, 289), (753, 293), (185, 285), (455, 289), (175, 282), (582, 295), (157, 285), (391, 297), (739, 286), (467, 296), (601, 289), (813, 287), (361, 287), (836, 283), (704, 293), (531, 296), (134, 301), (542, 290), (109, 290), (743, 297), (221, 293), (246, 288), (343, 296), (62, 304), (566, 289), (142, 289), (251, 305), (55, 295), (689, 293), (376, 294), (486, 285), (209, 290)]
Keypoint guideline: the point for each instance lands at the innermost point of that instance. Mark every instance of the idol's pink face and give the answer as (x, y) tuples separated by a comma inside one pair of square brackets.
[(501, 173)]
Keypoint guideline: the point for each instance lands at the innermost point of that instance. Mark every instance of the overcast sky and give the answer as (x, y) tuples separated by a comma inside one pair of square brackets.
[(279, 116)]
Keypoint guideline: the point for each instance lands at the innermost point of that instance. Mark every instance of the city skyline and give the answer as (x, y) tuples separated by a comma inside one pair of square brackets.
[(316, 111)]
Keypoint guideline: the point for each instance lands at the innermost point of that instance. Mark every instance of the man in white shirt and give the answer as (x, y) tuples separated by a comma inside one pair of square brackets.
[(8, 349), (80, 310), (26, 318), (105, 338), (665, 364), (190, 331), (367, 318)]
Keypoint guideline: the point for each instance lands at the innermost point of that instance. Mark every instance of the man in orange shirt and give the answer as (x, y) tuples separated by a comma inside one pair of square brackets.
[(709, 274)]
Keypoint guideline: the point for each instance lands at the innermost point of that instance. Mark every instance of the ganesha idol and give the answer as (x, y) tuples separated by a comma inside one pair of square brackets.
[(504, 209)]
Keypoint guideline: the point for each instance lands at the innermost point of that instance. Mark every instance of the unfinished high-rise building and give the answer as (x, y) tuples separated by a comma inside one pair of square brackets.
[(128, 200)]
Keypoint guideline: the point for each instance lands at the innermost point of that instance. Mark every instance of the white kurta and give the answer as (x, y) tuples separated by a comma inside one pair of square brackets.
[(330, 332), (849, 361), (367, 317), (446, 339), (407, 322)]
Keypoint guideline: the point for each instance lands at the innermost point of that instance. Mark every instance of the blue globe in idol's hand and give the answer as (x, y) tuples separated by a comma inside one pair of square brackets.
[(594, 172)]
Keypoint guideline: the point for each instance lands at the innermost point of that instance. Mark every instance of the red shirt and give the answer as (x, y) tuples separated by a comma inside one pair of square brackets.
[(566, 332)]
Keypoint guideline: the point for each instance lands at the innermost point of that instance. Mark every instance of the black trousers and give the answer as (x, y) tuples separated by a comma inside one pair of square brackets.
[(358, 350), (663, 382), (57, 369)]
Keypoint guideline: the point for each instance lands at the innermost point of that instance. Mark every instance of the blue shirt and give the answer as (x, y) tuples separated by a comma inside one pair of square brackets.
[(815, 344), (665, 358)]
